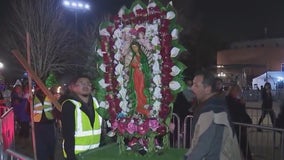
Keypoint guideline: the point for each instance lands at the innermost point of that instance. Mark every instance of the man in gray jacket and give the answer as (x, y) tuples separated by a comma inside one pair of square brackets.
[(213, 136)]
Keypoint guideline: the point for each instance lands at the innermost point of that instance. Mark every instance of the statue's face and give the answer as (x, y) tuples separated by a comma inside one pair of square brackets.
[(135, 48)]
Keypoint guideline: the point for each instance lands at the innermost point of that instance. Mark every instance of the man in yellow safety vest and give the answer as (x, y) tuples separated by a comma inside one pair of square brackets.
[(44, 126), (81, 124)]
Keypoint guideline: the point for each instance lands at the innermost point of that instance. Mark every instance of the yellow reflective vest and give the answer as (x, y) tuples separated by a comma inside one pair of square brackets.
[(86, 137), (39, 108)]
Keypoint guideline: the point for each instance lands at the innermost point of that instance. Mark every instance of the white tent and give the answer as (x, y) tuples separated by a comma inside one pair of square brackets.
[(270, 76)]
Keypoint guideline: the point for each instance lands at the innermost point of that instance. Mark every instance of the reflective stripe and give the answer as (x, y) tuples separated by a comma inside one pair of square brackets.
[(87, 136), (87, 133), (37, 105), (47, 103), (37, 111), (85, 147), (47, 109)]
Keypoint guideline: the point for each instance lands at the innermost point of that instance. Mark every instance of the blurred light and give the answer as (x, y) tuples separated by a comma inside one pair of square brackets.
[(76, 4), (220, 66), (87, 6), (66, 3), (222, 74), (280, 79), (58, 90), (1, 65)]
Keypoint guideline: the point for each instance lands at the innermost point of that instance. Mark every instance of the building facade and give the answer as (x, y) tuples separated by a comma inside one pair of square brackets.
[(246, 60)]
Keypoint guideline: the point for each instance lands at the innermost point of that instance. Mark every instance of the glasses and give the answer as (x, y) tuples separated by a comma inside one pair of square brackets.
[(83, 84)]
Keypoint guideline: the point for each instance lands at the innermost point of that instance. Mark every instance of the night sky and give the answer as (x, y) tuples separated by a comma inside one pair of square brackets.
[(227, 20)]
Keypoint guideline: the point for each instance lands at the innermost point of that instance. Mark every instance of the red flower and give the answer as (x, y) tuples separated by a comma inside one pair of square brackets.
[(162, 130), (165, 23), (133, 142), (122, 125), (106, 58)]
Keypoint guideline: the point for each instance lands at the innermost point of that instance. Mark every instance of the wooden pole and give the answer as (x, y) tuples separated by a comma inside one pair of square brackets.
[(38, 81), (30, 98)]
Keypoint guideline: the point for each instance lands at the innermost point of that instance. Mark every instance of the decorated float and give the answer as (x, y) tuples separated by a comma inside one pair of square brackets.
[(140, 75)]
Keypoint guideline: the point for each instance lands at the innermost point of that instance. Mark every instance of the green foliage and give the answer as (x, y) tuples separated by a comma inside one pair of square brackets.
[(51, 80)]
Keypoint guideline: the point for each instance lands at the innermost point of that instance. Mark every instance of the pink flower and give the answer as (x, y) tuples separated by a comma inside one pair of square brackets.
[(114, 125), (131, 127), (143, 128), (153, 124)]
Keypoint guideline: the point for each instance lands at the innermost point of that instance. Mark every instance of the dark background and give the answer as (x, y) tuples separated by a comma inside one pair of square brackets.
[(208, 26)]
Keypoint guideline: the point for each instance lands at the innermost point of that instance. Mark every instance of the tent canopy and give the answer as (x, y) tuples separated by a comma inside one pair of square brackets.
[(273, 77)]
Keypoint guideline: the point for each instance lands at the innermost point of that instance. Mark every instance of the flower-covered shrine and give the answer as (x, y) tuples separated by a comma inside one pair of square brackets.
[(140, 75)]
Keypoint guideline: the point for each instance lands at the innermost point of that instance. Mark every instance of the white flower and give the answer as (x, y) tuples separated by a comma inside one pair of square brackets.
[(174, 34), (104, 32), (157, 80), (151, 29), (138, 6), (171, 15), (157, 93), (156, 67), (119, 69), (117, 56), (121, 12), (104, 104), (122, 92), (174, 85), (174, 51), (152, 4), (117, 44), (120, 80), (123, 105), (103, 84), (117, 33), (100, 53), (175, 71), (155, 41), (103, 67), (156, 105)]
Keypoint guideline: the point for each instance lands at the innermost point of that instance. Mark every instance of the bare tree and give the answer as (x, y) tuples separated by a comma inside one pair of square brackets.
[(90, 39), (51, 37)]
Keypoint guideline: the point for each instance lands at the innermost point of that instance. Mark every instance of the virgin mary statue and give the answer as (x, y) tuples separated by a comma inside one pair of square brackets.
[(139, 79)]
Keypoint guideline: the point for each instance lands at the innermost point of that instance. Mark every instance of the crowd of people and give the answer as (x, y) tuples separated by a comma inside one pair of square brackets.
[(213, 134)]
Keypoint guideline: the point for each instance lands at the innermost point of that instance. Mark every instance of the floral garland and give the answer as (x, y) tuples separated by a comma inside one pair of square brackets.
[(154, 28)]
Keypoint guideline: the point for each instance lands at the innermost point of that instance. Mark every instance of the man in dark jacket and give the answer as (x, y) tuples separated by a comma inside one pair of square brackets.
[(213, 136)]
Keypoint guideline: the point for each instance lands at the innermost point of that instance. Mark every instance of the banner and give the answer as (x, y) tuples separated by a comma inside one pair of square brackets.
[(7, 128)]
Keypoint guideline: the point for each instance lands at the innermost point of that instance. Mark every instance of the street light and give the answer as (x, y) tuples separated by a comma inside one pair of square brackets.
[(1, 65), (76, 4)]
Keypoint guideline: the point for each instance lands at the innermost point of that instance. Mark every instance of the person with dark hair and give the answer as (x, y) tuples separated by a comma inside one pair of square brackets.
[(44, 126), (21, 110), (267, 103), (213, 136), (182, 106), (237, 111), (219, 86), (81, 123)]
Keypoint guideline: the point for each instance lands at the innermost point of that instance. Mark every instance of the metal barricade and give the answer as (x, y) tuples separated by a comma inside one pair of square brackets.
[(264, 142), (175, 138)]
